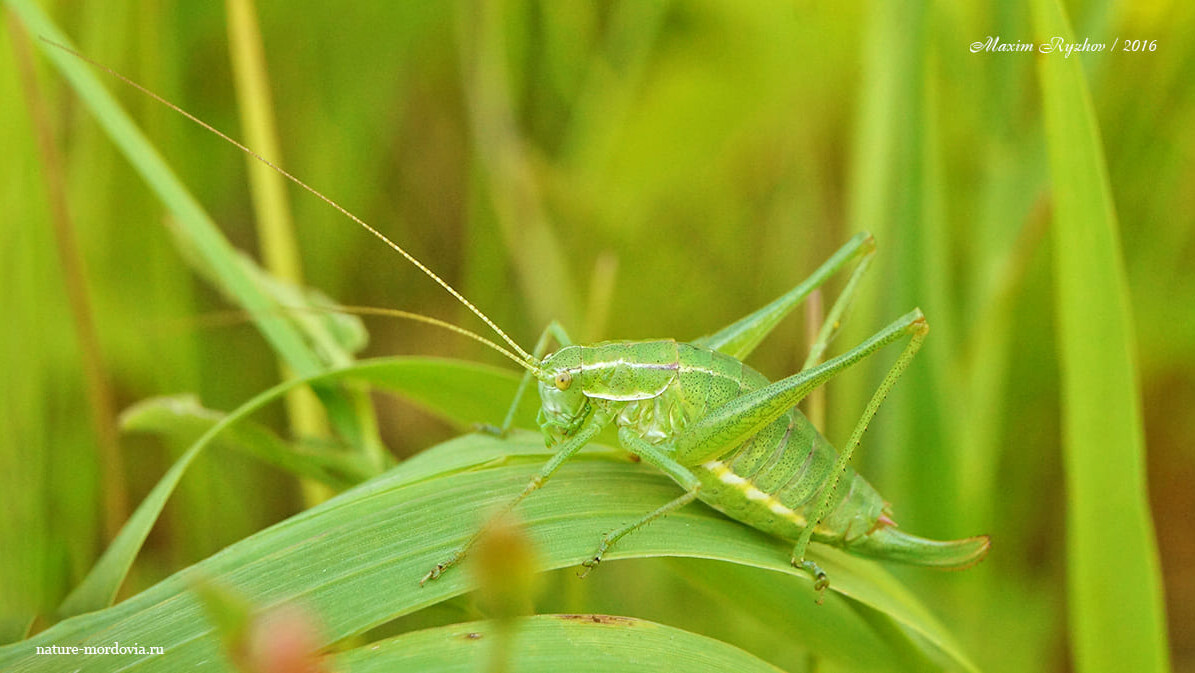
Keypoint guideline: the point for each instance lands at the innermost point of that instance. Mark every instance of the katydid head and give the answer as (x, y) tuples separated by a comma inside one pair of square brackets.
[(563, 404)]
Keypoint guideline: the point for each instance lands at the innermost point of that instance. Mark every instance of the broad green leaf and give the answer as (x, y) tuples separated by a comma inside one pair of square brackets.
[(460, 392), (1117, 623), (551, 643), (856, 641), (98, 589), (356, 560)]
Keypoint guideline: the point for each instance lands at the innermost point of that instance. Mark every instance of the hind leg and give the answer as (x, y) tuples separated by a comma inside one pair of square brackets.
[(741, 338)]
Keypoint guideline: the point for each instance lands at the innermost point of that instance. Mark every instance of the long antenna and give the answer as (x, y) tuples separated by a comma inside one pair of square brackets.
[(419, 317), (528, 361)]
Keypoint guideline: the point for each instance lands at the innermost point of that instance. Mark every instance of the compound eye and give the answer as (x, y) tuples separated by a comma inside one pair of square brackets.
[(563, 380)]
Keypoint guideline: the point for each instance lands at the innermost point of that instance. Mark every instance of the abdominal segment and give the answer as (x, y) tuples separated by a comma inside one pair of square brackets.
[(774, 481)]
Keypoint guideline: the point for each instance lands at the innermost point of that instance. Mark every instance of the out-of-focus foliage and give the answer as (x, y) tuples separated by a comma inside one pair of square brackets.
[(635, 169)]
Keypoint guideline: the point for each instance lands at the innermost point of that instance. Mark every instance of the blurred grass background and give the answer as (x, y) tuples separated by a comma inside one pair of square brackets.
[(635, 169)]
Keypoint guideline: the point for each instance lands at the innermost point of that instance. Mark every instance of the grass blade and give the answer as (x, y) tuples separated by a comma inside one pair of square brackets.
[(275, 226), (579, 643), (195, 225), (390, 530), (842, 637), (1115, 600), (95, 375), (181, 419), (204, 233), (99, 588), (509, 172)]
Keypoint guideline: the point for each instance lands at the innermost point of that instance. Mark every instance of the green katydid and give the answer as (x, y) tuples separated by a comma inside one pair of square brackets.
[(728, 436), (720, 429)]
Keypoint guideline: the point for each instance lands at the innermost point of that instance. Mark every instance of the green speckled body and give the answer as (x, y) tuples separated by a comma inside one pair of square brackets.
[(657, 388), (728, 436)]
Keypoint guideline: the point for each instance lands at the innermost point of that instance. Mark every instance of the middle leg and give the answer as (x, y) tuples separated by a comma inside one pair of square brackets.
[(567, 450), (653, 455)]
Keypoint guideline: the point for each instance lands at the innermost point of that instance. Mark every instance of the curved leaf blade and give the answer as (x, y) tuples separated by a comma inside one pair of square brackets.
[(1116, 624), (550, 643), (460, 392), (99, 588), (182, 419), (356, 560), (199, 228)]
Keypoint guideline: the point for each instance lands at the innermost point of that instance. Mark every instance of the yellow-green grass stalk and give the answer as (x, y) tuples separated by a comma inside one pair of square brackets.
[(275, 226), (1115, 598)]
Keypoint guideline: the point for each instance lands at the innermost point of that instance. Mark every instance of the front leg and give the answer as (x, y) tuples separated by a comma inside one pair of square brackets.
[(592, 427), (554, 330)]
